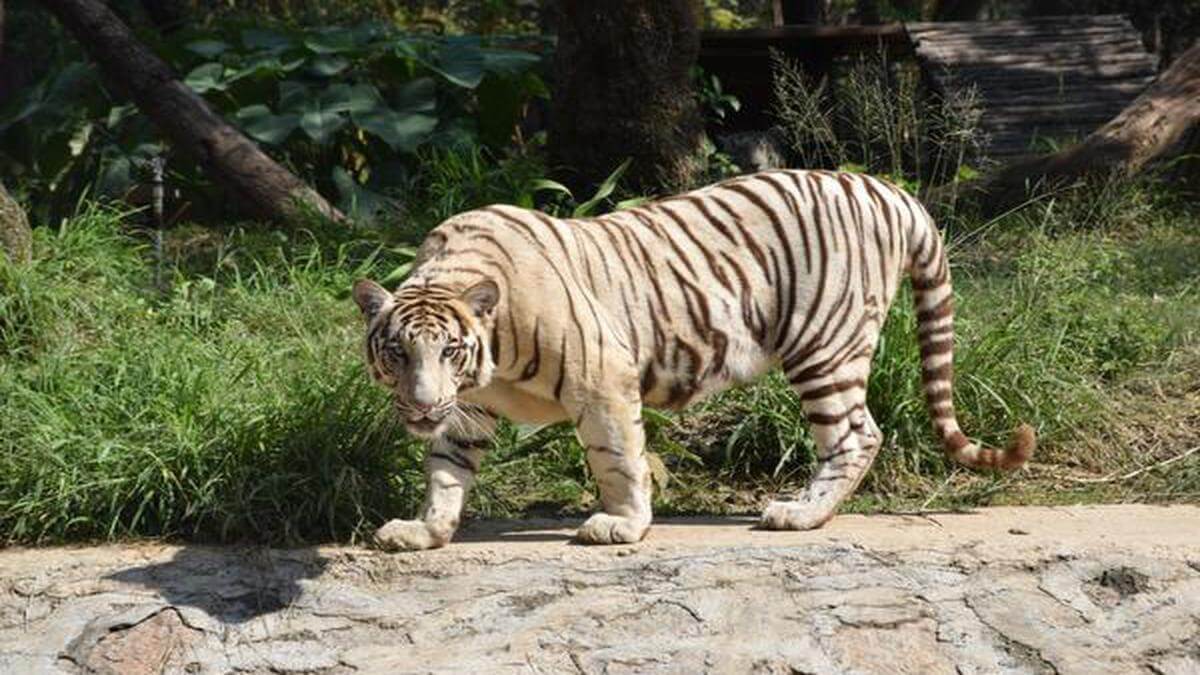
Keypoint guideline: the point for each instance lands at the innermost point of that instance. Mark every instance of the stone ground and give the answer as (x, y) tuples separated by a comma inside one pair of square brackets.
[(1110, 589)]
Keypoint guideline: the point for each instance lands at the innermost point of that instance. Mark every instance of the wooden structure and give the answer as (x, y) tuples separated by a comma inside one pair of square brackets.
[(740, 58), (1058, 77), (1054, 77)]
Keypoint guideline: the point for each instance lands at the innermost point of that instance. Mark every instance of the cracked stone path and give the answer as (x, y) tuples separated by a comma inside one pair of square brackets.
[(1106, 589)]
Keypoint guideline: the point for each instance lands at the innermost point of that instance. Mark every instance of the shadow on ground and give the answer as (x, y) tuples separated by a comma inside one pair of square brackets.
[(231, 586)]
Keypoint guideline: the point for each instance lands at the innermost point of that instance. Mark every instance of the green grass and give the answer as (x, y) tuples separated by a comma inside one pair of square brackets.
[(234, 406)]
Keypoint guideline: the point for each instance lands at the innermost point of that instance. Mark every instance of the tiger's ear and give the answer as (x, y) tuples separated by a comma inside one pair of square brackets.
[(482, 297), (371, 297)]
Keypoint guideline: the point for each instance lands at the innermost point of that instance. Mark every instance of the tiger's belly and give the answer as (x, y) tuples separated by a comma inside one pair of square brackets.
[(690, 367)]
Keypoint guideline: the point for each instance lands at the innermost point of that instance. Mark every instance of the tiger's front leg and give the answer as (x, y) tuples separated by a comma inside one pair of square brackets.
[(612, 433), (451, 463)]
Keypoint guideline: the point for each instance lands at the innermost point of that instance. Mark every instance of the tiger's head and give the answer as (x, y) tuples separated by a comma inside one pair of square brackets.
[(427, 343)]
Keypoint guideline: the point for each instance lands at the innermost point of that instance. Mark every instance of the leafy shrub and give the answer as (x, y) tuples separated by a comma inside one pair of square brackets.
[(347, 108)]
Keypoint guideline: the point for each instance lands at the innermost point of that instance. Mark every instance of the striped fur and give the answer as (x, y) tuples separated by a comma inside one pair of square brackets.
[(588, 319)]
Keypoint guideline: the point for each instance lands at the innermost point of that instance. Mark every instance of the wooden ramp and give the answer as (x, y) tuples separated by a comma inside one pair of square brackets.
[(1055, 78)]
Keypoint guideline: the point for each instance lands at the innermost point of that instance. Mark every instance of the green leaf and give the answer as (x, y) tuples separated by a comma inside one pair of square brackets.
[(460, 61), (205, 78), (606, 188), (419, 95), (552, 185), (632, 202), (333, 41), (260, 123), (265, 64), (254, 38), (402, 131), (328, 66), (293, 95), (320, 123), (357, 201), (508, 61), (207, 48), (359, 98)]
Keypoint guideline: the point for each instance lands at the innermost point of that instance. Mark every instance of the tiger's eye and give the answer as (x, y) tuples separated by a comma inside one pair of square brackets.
[(449, 351)]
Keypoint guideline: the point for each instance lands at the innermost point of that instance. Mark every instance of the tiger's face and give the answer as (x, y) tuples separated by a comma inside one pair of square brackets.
[(427, 344)]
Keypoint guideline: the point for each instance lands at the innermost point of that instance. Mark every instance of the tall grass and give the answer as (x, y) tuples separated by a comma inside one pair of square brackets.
[(235, 407)]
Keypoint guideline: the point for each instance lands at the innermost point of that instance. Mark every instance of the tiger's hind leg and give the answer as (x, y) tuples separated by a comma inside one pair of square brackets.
[(847, 441)]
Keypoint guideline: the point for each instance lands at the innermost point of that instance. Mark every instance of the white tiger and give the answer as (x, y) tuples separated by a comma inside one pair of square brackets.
[(509, 312)]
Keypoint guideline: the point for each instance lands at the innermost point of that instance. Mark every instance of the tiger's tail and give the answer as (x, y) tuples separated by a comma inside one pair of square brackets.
[(934, 302)]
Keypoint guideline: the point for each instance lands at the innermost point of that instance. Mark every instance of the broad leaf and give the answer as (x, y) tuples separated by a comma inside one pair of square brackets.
[(359, 98), (293, 94), (460, 61), (207, 48), (328, 66), (320, 123), (254, 38), (205, 78), (419, 95), (357, 201), (260, 123), (402, 131), (508, 61), (333, 41)]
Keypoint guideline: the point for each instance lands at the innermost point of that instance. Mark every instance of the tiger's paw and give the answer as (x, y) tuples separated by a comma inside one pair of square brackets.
[(603, 528), (407, 535), (797, 515)]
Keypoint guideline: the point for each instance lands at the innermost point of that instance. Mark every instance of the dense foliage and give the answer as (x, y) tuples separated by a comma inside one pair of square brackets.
[(347, 108)]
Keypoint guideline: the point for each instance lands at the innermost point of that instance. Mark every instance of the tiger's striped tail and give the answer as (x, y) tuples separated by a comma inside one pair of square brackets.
[(934, 301)]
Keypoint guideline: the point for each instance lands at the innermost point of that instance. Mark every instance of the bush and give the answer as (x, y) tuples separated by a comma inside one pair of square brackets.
[(346, 108)]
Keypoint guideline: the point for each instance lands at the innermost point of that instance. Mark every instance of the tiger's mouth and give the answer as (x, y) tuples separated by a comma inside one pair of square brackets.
[(425, 427)]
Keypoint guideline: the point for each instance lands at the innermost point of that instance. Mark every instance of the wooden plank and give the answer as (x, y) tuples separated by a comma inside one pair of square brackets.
[(1119, 45), (1127, 89), (1050, 72), (1131, 49), (1010, 26), (1077, 61), (1077, 107), (991, 37)]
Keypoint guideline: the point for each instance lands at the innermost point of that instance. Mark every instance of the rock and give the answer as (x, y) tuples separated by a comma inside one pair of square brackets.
[(148, 646), (880, 594)]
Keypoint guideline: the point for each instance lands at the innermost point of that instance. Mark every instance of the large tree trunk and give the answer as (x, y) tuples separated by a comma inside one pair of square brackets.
[(959, 10), (623, 89), (16, 240), (259, 183), (167, 16), (15, 237), (1159, 124)]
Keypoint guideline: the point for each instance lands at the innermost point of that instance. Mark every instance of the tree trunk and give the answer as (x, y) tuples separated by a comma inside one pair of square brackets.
[(804, 11), (959, 10), (1160, 123), (623, 90), (16, 240), (867, 11), (167, 16), (257, 181), (15, 237)]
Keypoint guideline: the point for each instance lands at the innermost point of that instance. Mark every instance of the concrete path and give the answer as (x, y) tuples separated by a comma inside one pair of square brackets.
[(1111, 589)]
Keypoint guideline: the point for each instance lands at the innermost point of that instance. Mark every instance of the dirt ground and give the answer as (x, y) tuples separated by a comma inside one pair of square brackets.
[(1104, 589)]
